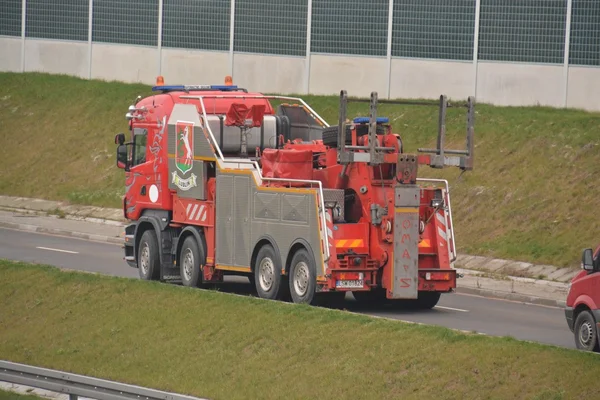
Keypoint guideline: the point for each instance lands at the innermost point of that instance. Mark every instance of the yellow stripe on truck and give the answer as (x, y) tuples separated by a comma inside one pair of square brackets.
[(349, 243)]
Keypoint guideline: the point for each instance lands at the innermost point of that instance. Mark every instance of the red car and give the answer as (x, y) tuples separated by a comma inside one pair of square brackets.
[(582, 310)]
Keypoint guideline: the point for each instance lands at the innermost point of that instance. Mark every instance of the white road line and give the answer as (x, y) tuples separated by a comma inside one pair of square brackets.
[(62, 251), (523, 303), (451, 309)]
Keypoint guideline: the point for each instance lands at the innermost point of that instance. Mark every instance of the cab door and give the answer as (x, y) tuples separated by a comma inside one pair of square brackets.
[(140, 177)]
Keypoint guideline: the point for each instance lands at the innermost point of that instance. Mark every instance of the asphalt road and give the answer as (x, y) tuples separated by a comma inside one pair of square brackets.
[(458, 311)]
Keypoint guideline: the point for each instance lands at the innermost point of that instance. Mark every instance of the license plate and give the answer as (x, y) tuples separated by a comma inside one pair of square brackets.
[(350, 284)]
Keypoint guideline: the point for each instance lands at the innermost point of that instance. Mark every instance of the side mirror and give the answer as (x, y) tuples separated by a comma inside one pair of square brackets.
[(120, 138), (587, 262), (122, 156)]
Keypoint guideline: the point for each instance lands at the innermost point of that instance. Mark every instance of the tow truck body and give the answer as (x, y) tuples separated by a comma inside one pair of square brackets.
[(218, 181)]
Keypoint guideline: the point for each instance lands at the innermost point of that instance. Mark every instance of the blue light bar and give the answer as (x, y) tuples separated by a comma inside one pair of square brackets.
[(188, 88), (365, 120)]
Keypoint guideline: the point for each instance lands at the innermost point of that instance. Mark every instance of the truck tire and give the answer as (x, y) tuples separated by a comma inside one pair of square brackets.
[(303, 279), (586, 334), (373, 297), (267, 273), (427, 300), (148, 257), (190, 257)]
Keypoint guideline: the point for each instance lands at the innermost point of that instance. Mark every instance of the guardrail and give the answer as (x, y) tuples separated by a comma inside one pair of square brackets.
[(80, 385)]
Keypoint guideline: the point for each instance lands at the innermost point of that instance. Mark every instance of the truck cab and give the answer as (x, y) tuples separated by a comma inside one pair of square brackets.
[(582, 309)]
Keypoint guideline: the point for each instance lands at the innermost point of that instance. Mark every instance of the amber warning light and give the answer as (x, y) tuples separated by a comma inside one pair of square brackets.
[(160, 80)]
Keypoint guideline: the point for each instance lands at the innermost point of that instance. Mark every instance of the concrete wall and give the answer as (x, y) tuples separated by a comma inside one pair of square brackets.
[(57, 57), (194, 67), (492, 82), (584, 88), (124, 63), (270, 74), (359, 76), (520, 84), (430, 79), (10, 55)]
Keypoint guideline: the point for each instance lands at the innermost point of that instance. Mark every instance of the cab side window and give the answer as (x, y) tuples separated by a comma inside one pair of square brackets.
[(140, 137)]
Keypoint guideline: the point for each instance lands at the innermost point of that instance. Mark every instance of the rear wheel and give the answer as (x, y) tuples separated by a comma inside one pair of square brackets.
[(267, 273), (148, 257), (586, 335), (428, 300), (425, 301), (191, 259), (302, 279), (373, 297)]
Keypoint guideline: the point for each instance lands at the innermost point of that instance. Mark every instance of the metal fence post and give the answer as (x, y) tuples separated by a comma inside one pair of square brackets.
[(23, 21), (90, 26), (389, 47), (476, 47), (231, 34), (308, 50), (567, 53), (159, 39)]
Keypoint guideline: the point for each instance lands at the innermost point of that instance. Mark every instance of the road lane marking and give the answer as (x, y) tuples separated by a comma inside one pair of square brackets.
[(59, 250), (452, 309), (523, 303)]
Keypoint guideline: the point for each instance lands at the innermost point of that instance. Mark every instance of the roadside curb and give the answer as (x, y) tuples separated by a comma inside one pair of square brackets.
[(61, 232), (517, 297), (72, 217)]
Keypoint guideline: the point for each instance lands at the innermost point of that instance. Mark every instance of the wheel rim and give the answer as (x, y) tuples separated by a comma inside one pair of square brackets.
[(188, 264), (145, 259), (301, 275), (586, 333), (266, 273)]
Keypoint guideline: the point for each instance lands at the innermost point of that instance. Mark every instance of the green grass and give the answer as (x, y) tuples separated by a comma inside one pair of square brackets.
[(223, 346), (528, 198), (6, 395)]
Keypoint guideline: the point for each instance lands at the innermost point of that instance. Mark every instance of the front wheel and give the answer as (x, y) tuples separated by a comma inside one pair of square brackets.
[(191, 259), (586, 334), (302, 279)]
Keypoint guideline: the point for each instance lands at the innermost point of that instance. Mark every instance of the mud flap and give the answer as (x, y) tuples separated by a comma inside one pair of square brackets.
[(405, 272)]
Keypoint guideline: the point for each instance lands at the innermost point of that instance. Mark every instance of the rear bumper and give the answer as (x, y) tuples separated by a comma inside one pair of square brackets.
[(569, 317), (437, 280)]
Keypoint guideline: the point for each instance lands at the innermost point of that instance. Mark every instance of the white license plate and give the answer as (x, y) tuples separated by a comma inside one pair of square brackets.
[(354, 284)]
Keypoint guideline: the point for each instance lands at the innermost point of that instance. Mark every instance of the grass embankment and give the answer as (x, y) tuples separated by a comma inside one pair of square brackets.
[(528, 198), (223, 346), (8, 395)]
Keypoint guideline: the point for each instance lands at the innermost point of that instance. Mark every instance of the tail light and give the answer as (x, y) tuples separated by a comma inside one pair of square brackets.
[(437, 276)]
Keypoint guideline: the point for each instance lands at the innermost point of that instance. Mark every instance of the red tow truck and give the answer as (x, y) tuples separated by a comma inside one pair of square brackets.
[(582, 309), (220, 181)]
